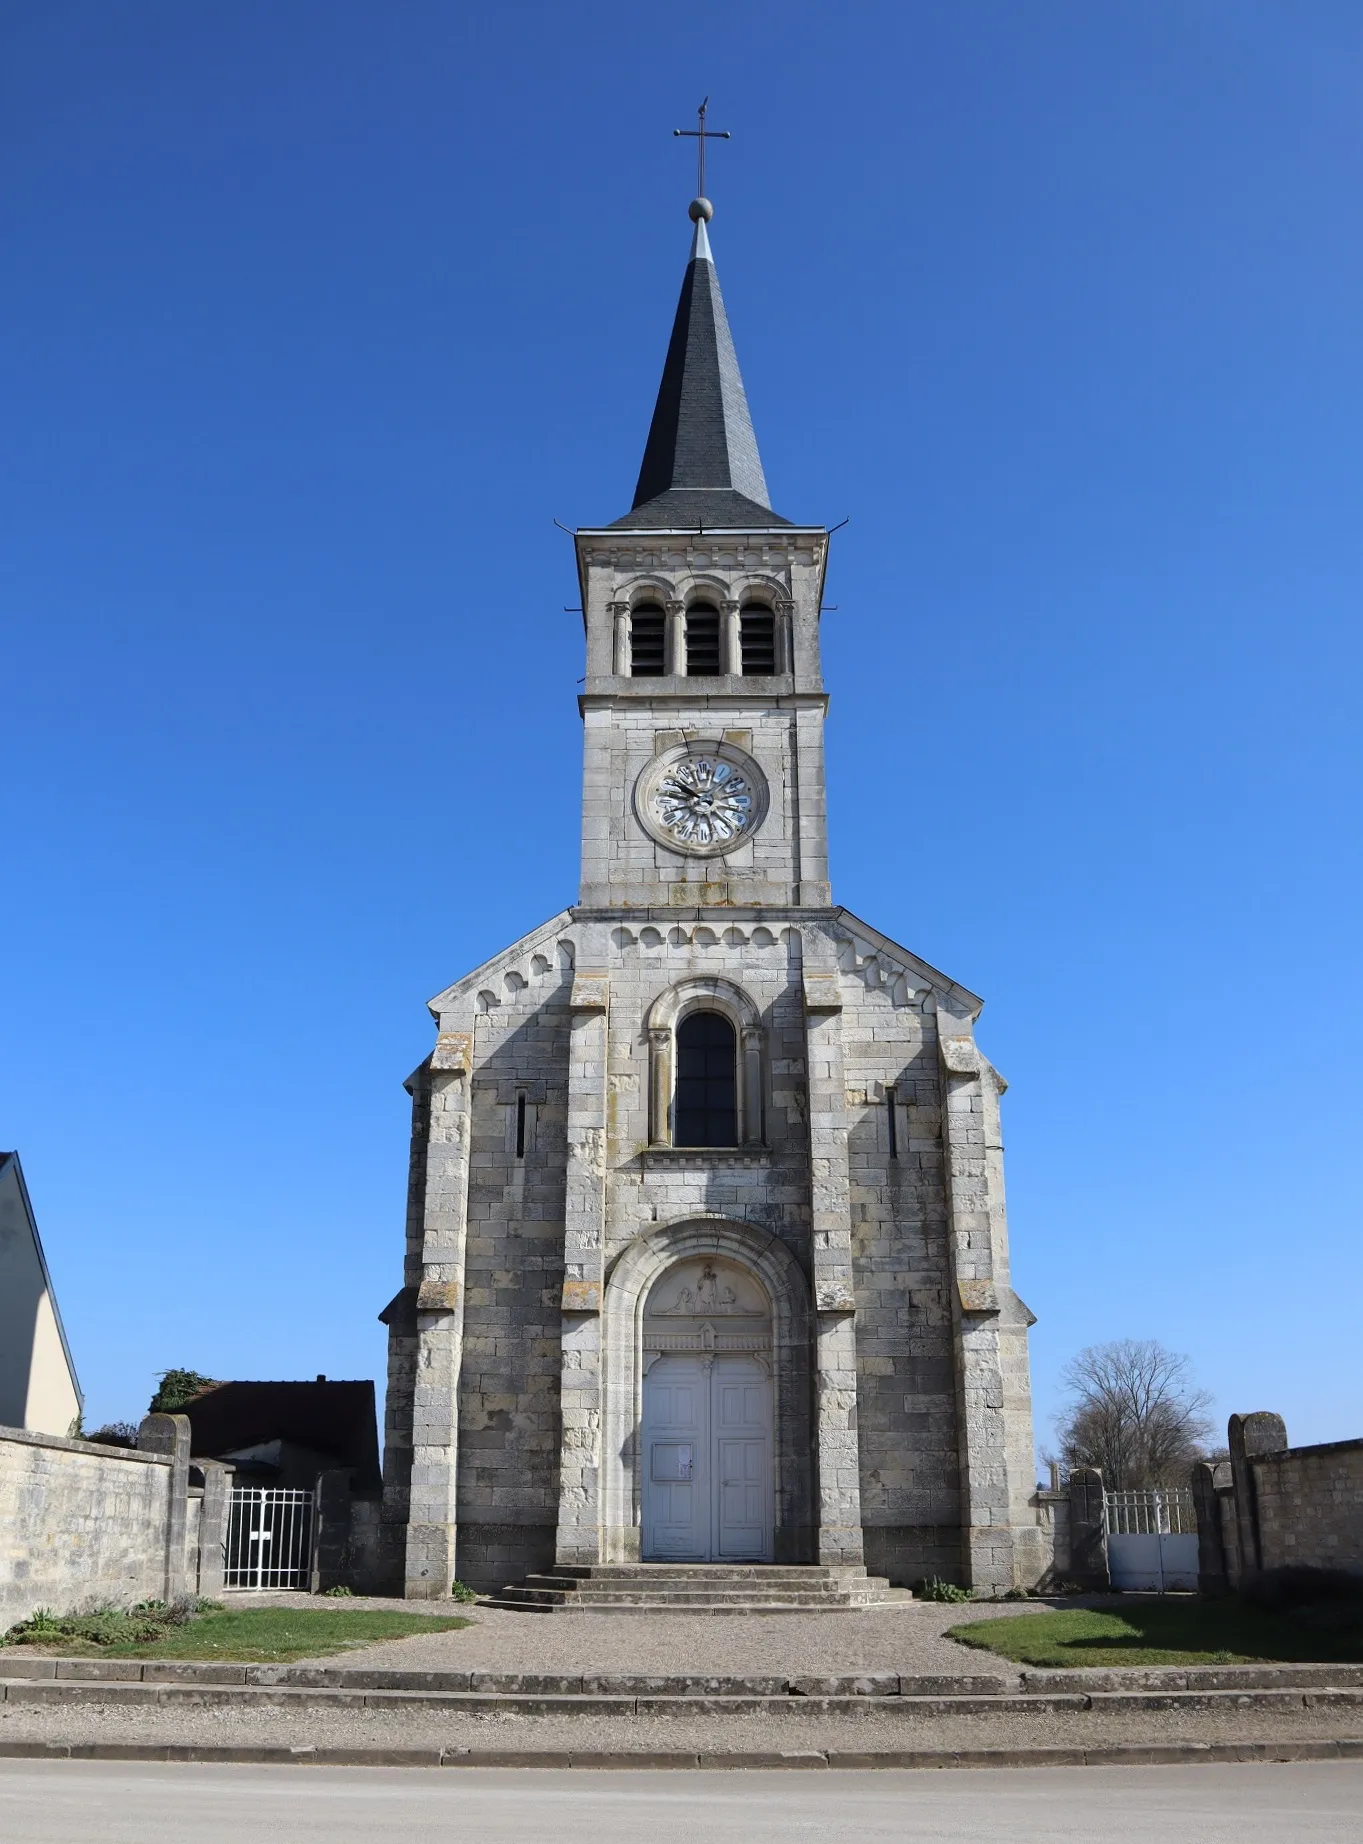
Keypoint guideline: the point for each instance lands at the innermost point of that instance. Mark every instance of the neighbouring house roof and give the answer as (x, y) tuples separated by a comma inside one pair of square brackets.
[(336, 1420)]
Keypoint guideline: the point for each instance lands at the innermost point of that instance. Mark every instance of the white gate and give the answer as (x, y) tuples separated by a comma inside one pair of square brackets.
[(269, 1539), (1151, 1541)]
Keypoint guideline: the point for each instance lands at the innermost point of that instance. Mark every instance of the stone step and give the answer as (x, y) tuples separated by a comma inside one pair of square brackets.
[(699, 1587), (693, 1585), (711, 1571), (577, 1609), (674, 1595)]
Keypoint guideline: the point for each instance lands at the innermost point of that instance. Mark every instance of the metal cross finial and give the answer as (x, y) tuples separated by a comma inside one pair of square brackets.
[(700, 134)]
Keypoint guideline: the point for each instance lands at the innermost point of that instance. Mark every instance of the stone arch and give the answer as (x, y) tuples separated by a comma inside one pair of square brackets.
[(704, 586), (632, 1277), (642, 589), (712, 994)]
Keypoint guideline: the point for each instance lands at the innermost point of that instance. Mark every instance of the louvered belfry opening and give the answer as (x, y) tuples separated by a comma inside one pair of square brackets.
[(757, 633), (646, 629), (702, 641), (707, 1092)]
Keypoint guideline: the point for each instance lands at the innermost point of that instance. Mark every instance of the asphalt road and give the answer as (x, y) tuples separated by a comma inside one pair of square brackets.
[(78, 1802)]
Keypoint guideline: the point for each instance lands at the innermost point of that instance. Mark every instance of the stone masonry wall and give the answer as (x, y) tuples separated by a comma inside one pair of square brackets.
[(910, 1496), (81, 1523), (1309, 1502), (509, 1379)]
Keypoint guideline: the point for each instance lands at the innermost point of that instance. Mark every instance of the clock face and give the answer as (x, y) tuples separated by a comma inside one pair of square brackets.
[(701, 800)]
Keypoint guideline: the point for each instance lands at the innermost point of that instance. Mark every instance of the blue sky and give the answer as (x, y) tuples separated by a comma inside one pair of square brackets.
[(318, 313)]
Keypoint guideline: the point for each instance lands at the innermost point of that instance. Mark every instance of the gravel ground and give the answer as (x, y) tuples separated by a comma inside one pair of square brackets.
[(904, 1636), (785, 1730)]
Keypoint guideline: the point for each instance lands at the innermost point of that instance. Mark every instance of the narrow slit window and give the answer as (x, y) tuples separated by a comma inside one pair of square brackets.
[(891, 1100), (707, 1090), (646, 629), (702, 641), (520, 1126), (757, 632)]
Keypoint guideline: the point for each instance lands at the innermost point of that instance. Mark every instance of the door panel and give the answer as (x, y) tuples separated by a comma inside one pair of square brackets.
[(676, 1482), (706, 1473)]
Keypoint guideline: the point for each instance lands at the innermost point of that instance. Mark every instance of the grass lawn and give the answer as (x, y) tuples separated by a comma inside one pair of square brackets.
[(1171, 1632), (256, 1635)]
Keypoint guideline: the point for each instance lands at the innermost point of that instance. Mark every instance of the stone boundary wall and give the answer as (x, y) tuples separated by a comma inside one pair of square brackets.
[(1310, 1507), (81, 1523), (1271, 1506)]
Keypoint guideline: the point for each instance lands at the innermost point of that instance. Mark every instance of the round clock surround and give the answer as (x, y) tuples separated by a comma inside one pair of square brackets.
[(701, 799)]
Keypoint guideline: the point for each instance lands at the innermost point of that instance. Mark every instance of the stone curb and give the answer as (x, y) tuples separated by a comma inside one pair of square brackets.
[(1148, 1754), (16, 1665), (500, 1683), (1196, 1677), (555, 1703)]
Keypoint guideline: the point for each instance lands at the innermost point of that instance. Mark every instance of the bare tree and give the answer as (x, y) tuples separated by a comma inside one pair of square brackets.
[(1135, 1413)]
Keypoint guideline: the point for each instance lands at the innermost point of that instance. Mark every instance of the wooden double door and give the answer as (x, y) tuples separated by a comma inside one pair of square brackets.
[(707, 1459)]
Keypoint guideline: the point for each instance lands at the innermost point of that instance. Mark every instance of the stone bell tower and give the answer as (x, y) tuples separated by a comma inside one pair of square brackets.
[(701, 608), (707, 1257)]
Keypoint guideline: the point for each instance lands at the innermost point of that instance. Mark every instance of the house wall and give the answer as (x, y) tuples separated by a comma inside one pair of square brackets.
[(37, 1389)]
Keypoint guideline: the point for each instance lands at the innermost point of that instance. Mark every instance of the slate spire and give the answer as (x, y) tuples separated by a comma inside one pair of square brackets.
[(701, 466)]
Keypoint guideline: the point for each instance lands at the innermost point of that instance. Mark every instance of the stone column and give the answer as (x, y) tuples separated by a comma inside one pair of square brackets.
[(170, 1435), (1246, 1436), (837, 1504), (730, 639), (752, 1085), (781, 634), (215, 1514), (1088, 1532), (579, 1516), (432, 1527), (674, 641), (660, 1087), (621, 661)]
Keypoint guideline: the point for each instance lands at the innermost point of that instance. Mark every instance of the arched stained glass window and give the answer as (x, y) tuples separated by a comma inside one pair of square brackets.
[(707, 1099)]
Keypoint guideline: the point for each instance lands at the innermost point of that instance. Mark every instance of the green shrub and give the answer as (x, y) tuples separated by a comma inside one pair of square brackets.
[(935, 1589), (176, 1388), (338, 1593), (460, 1592)]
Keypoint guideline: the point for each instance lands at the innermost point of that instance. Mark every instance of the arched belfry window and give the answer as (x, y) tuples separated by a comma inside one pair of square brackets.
[(647, 626), (702, 641), (757, 637), (706, 1108)]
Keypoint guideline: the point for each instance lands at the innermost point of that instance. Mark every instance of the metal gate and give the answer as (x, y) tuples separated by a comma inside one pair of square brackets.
[(269, 1539), (1151, 1540)]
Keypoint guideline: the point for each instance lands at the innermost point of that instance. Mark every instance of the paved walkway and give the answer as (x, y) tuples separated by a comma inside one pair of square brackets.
[(907, 1637), (52, 1802)]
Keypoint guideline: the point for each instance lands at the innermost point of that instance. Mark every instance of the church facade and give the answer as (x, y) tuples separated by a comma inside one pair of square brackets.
[(706, 1256)]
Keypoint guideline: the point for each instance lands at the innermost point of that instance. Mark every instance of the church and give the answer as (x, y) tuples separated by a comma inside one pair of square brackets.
[(706, 1250)]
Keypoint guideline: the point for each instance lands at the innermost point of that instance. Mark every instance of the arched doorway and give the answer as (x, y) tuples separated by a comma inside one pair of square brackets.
[(707, 1422)]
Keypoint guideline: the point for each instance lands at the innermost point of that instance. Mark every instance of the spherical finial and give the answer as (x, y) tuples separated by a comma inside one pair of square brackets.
[(700, 208)]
